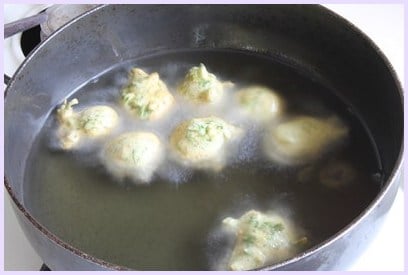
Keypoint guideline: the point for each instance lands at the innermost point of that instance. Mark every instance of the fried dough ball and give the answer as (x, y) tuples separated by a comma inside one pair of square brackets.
[(200, 142), (260, 103), (200, 86), (92, 122), (97, 120), (337, 173), (303, 139), (146, 96), (261, 239), (134, 154)]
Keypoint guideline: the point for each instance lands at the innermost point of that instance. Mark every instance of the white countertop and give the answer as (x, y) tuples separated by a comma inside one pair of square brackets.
[(384, 25)]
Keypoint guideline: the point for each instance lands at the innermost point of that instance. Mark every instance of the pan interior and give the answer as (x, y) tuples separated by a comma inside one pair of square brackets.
[(173, 223)]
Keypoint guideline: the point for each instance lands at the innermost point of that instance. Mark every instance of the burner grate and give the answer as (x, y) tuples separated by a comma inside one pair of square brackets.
[(44, 267), (30, 39)]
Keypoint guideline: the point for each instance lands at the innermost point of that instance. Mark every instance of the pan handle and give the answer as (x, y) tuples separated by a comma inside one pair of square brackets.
[(24, 24), (21, 25), (6, 79)]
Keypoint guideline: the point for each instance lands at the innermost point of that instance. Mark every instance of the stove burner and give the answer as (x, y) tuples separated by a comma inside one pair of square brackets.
[(45, 268), (30, 39)]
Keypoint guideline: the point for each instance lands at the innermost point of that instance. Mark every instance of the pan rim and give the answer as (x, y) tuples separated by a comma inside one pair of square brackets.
[(345, 230)]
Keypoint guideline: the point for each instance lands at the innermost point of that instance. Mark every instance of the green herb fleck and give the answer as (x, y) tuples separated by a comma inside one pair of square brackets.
[(144, 111), (253, 221), (204, 83), (248, 239)]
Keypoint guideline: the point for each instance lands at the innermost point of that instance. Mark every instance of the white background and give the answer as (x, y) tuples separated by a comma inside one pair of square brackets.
[(384, 25)]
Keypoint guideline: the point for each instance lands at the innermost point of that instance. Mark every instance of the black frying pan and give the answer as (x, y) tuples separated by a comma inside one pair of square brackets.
[(307, 37)]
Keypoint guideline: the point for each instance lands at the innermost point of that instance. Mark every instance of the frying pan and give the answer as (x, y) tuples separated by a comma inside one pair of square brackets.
[(308, 37)]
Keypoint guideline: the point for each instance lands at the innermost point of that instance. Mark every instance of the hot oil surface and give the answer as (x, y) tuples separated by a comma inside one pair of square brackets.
[(168, 225)]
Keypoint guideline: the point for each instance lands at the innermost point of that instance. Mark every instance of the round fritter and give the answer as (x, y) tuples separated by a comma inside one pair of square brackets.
[(135, 155), (200, 86), (200, 140), (261, 239), (260, 103), (337, 173), (91, 122), (97, 120), (146, 96), (302, 139)]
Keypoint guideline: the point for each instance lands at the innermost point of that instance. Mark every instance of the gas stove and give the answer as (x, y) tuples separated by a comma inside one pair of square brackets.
[(18, 254)]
